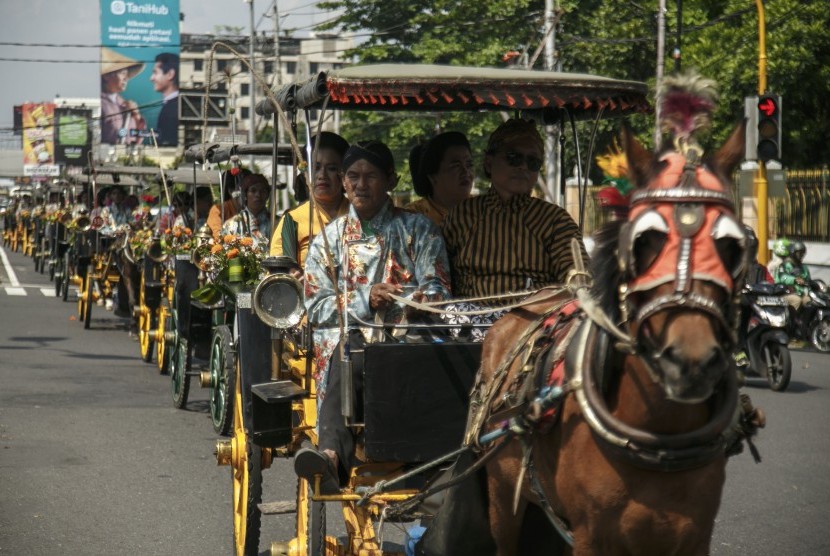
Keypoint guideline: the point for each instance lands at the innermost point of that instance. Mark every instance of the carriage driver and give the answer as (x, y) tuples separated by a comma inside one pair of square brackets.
[(388, 251)]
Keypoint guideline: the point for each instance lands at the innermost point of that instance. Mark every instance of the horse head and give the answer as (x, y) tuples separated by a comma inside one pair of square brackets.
[(682, 258)]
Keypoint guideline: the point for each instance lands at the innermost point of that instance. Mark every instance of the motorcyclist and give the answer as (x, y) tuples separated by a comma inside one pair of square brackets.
[(756, 274), (794, 273)]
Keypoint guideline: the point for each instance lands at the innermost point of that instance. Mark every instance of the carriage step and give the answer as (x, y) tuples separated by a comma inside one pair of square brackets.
[(277, 508)]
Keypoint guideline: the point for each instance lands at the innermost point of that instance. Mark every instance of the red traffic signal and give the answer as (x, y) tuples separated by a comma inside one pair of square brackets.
[(769, 127)]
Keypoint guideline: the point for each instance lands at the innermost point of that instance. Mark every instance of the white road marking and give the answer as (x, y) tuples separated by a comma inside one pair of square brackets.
[(15, 291), (9, 270), (49, 292)]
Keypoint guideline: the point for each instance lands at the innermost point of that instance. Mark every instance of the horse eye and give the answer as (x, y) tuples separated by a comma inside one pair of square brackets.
[(730, 242), (649, 234), (647, 246)]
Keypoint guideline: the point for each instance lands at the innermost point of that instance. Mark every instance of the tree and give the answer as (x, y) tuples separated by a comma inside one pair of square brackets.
[(613, 38)]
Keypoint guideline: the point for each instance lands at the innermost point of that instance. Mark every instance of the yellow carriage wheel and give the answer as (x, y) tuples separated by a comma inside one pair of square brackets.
[(246, 468), (146, 325), (162, 347)]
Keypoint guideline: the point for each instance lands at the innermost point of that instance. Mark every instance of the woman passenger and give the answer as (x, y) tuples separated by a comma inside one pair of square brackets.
[(442, 174), (294, 231)]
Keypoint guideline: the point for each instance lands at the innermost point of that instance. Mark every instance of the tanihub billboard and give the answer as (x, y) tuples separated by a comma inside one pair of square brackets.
[(140, 72)]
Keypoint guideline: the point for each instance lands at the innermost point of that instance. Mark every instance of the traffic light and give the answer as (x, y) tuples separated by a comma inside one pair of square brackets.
[(769, 127)]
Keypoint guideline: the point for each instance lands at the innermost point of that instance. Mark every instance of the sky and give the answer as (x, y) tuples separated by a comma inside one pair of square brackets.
[(76, 22)]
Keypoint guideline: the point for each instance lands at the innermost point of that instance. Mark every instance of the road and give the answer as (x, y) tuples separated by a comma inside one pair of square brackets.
[(95, 460)]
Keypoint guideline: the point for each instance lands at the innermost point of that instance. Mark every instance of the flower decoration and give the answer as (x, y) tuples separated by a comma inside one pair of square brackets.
[(140, 241), (59, 215), (177, 240), (614, 167), (232, 259)]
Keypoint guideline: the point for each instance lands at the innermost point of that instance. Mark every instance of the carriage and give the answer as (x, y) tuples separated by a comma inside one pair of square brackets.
[(407, 449)]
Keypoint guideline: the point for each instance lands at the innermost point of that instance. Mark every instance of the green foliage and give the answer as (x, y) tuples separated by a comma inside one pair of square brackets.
[(614, 38)]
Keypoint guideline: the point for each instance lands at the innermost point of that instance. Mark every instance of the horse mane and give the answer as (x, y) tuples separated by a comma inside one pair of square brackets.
[(605, 268)]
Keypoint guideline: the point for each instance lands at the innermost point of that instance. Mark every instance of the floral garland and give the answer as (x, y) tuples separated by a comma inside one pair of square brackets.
[(140, 241), (233, 258), (231, 263), (59, 215), (177, 240)]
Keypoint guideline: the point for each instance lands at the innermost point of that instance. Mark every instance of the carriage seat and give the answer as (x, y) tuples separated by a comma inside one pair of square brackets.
[(415, 397)]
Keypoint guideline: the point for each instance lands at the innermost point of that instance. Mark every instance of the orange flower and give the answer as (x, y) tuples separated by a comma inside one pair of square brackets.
[(167, 232), (216, 249), (188, 231), (233, 253), (246, 241), (229, 238), (177, 233)]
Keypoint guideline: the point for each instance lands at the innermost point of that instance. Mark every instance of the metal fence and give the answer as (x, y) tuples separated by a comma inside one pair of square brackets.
[(804, 212)]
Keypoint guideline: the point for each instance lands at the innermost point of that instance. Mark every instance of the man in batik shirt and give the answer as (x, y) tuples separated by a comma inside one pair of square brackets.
[(384, 250)]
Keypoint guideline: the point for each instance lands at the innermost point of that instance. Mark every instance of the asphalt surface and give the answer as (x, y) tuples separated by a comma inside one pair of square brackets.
[(95, 460)]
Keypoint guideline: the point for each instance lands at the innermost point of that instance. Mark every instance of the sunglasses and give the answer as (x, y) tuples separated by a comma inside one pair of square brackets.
[(517, 160)]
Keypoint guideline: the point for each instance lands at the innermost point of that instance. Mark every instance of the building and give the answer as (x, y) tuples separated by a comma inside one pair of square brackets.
[(298, 59)]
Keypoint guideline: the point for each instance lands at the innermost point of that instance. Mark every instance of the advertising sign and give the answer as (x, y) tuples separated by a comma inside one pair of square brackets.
[(72, 136), (139, 72), (38, 140)]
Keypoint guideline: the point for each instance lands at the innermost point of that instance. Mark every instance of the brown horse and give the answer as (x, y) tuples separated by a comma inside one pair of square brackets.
[(635, 463)]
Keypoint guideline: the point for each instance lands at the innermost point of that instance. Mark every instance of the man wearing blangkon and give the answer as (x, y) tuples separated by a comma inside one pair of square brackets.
[(387, 250)]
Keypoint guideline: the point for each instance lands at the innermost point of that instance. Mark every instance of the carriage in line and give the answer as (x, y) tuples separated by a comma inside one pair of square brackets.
[(275, 409)]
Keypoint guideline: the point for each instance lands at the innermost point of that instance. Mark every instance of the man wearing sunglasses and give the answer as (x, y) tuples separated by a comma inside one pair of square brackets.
[(507, 240)]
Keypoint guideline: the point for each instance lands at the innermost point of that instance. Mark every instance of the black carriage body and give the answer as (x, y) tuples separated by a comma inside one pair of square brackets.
[(416, 398), (254, 352), (194, 322), (153, 285)]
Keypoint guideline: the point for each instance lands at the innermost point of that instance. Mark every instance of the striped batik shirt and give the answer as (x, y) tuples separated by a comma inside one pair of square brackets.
[(497, 247)]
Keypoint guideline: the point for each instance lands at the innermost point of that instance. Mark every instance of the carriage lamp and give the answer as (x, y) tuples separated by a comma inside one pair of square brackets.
[(202, 237), (278, 301)]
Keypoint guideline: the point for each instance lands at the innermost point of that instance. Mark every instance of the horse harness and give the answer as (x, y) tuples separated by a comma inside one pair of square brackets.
[(689, 209)]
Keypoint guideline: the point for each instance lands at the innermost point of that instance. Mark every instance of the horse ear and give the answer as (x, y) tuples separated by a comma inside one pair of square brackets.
[(640, 160), (732, 152)]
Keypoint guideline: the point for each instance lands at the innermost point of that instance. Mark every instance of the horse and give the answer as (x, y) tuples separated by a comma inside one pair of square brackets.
[(634, 462)]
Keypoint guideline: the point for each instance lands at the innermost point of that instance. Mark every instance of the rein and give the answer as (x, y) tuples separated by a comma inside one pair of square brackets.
[(664, 452)]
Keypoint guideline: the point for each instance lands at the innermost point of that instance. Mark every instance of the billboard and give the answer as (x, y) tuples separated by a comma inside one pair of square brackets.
[(139, 72), (73, 137), (38, 140)]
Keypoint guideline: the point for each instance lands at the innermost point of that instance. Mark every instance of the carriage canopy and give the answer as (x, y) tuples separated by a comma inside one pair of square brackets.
[(387, 87)]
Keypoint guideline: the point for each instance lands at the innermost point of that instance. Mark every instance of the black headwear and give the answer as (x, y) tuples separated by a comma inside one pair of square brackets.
[(429, 158), (375, 152), (329, 140)]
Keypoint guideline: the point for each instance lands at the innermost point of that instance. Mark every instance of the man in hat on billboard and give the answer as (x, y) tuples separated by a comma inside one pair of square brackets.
[(117, 113)]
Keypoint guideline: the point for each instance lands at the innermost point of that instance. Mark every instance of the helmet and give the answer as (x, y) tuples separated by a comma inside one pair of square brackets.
[(781, 247), (798, 249), (751, 243)]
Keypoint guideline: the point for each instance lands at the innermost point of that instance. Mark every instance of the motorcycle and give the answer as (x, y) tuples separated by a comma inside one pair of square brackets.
[(767, 337), (814, 317)]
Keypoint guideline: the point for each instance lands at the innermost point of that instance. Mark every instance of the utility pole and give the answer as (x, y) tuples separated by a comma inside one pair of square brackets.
[(284, 203), (678, 36), (252, 124), (760, 181), (661, 54), (552, 167)]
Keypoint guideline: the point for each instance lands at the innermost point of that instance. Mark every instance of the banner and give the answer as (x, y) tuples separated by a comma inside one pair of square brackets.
[(139, 72), (38, 140), (73, 138)]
